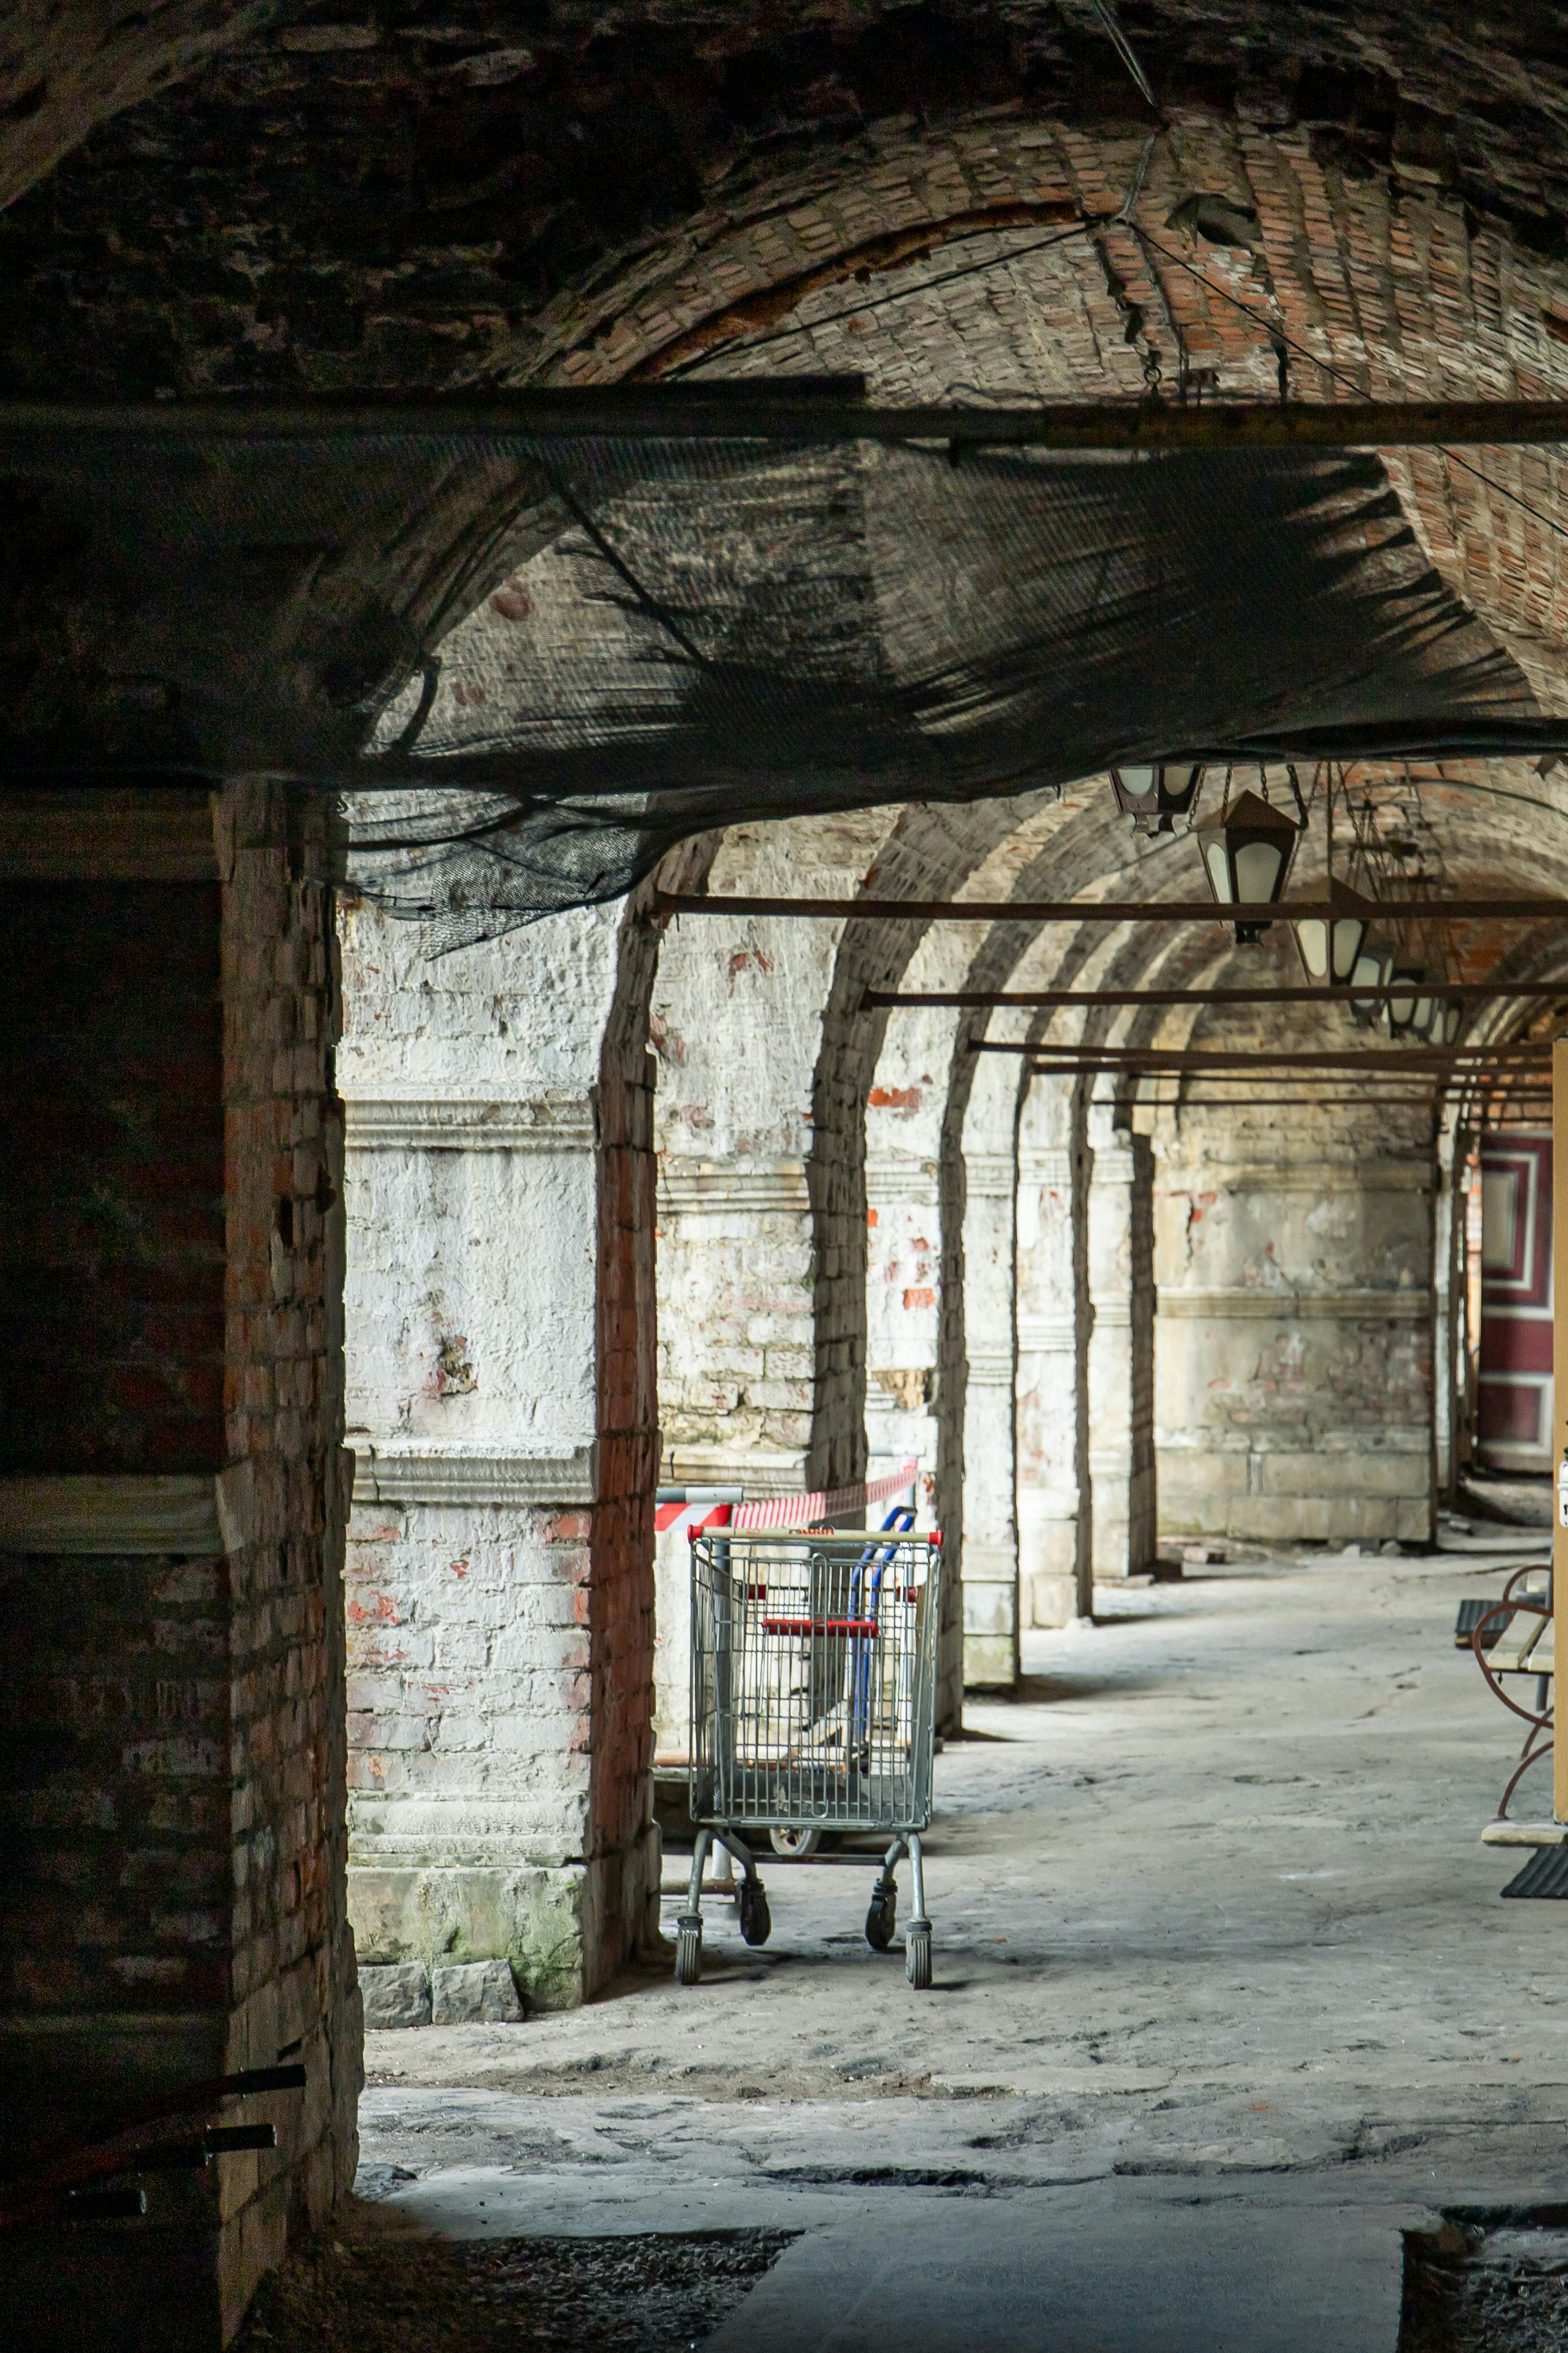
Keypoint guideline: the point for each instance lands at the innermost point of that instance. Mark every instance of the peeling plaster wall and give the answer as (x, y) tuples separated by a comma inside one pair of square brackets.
[(981, 1367), (736, 1025), (903, 1215), (1055, 1492), (1295, 1333), (502, 1405)]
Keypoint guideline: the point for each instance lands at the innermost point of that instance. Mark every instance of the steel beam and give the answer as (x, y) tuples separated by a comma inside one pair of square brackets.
[(1102, 911), (1479, 1061), (1283, 1102), (808, 410), (1460, 992)]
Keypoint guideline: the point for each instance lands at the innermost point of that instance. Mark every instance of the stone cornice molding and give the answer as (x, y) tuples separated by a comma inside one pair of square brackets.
[(201, 1513), (1046, 1164), (989, 1175), (762, 1476), (991, 1368), (701, 1188), (408, 1471), (895, 1177), (1299, 1176), (463, 1123), (1412, 1306), (1046, 1335)]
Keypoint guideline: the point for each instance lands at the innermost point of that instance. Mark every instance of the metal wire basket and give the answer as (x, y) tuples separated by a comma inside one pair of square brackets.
[(814, 1679)]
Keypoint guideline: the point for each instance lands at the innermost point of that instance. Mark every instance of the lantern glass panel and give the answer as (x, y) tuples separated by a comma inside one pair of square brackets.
[(1219, 871), (1258, 865), (1369, 971), (1313, 935), (1401, 1012), (1349, 932)]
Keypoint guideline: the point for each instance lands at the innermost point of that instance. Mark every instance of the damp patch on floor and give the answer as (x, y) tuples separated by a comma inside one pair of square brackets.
[(1488, 2281), (370, 2284)]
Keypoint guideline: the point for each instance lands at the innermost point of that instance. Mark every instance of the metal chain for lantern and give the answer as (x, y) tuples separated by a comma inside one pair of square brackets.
[(1334, 949), (1408, 878)]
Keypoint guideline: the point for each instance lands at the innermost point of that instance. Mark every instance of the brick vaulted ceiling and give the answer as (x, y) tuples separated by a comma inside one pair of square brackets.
[(276, 199)]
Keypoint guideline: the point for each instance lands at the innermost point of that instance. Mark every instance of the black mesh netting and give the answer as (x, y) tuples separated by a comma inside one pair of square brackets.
[(531, 664)]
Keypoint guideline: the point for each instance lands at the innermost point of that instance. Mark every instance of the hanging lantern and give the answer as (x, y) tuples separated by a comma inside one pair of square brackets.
[(1246, 853), (1371, 970), (1331, 946), (1407, 1012), (1443, 1023), (1154, 795)]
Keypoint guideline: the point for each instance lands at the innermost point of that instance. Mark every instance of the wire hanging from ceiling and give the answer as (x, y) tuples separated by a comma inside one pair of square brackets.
[(1278, 336), (1106, 12)]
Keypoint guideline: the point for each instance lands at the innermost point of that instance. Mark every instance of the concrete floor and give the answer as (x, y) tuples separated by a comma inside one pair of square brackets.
[(1224, 1999)]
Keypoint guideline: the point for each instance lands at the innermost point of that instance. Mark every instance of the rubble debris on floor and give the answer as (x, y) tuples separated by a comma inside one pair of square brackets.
[(1488, 2283), (370, 2284)]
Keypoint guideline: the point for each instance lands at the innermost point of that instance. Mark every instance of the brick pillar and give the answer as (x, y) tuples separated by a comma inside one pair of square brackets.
[(503, 1414), (172, 1514), (1055, 1511), (1121, 1349)]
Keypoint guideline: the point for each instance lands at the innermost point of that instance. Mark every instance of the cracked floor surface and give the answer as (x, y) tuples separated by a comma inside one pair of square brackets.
[(1224, 1999)]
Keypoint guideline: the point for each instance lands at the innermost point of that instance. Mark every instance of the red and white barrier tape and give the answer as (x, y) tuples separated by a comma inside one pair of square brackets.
[(788, 1511)]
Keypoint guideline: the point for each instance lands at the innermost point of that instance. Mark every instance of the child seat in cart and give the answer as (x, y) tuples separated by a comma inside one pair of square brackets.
[(813, 1707)]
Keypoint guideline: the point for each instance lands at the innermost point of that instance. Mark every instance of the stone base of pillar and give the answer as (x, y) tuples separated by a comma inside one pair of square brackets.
[(1049, 1592), (565, 1927), (1051, 1602), (990, 1575), (1339, 1492)]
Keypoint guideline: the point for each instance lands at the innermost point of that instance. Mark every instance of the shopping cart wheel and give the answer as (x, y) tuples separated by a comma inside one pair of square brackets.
[(796, 1842), (883, 1917), (917, 1954), (688, 1948), (756, 1920)]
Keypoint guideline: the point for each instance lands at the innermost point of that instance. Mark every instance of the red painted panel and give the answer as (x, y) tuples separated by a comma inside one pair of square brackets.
[(1510, 1413), (1515, 1358)]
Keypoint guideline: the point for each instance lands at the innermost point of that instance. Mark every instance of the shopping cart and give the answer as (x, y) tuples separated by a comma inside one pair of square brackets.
[(813, 1698)]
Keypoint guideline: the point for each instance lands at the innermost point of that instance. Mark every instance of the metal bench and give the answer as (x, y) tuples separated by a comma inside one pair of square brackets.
[(1513, 1637)]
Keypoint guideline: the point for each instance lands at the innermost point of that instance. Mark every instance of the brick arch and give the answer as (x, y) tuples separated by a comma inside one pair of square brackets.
[(614, 131)]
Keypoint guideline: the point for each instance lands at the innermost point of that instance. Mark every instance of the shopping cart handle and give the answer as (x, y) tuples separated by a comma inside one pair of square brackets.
[(866, 1626)]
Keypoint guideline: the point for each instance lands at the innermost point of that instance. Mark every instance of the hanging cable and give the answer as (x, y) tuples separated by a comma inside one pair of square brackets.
[(1136, 190), (1106, 12), (1280, 341)]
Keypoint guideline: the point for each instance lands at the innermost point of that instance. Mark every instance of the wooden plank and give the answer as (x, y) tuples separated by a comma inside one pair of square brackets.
[(1516, 1646)]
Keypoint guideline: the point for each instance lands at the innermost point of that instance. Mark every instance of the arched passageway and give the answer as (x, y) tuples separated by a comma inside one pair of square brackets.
[(765, 1201)]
